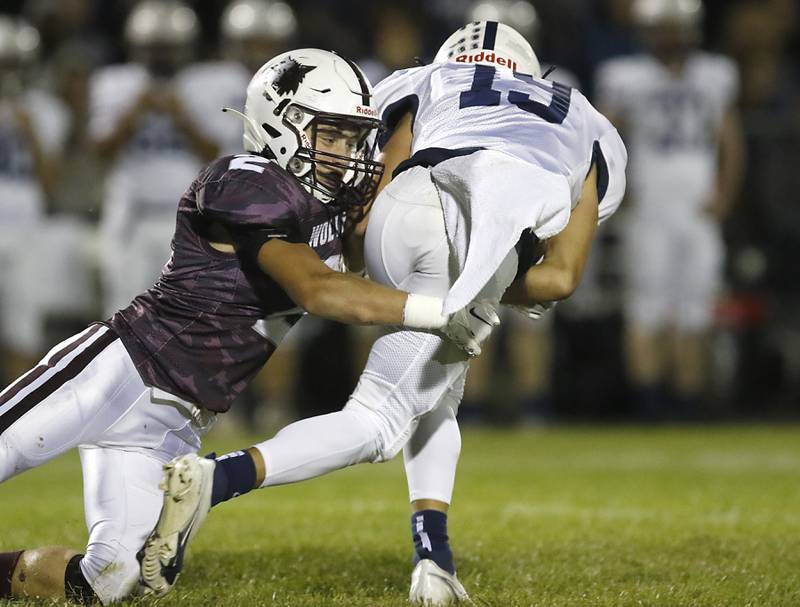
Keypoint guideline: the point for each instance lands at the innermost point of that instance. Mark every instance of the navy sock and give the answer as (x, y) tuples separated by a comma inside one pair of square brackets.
[(8, 562), (429, 530), (234, 474)]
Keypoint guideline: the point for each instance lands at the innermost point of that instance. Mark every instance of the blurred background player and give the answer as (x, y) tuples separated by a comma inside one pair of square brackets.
[(144, 127), (676, 105), (33, 129)]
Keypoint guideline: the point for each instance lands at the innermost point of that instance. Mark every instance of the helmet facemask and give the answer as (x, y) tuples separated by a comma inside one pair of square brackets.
[(347, 181)]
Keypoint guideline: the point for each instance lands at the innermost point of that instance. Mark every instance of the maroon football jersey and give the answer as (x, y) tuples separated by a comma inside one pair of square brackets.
[(213, 319)]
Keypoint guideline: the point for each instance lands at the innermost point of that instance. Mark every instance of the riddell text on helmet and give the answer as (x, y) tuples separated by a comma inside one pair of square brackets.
[(488, 57)]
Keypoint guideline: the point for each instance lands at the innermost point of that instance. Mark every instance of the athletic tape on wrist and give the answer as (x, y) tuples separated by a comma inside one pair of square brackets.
[(423, 312)]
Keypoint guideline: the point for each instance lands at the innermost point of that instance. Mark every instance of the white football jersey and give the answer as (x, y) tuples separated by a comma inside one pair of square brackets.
[(540, 122), (21, 196), (672, 124)]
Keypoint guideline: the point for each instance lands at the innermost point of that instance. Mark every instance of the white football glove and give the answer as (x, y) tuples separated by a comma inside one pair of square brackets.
[(536, 311), (471, 326)]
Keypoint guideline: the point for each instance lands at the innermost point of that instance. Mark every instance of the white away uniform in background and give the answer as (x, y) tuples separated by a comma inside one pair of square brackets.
[(36, 252), (147, 178), (493, 154), (674, 250)]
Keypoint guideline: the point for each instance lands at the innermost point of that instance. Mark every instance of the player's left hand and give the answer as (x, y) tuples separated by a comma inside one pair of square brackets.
[(470, 327)]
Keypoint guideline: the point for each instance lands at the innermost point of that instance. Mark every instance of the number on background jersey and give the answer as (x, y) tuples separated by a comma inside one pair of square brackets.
[(248, 162), (482, 94)]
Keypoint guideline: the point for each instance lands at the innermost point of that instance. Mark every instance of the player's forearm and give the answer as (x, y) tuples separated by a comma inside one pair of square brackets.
[(731, 161), (124, 130), (549, 282), (201, 145), (354, 300)]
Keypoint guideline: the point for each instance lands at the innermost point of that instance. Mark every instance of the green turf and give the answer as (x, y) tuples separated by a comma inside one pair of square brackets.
[(581, 516)]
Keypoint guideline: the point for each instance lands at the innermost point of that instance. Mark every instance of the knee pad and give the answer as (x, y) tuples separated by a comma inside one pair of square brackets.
[(76, 586), (390, 437)]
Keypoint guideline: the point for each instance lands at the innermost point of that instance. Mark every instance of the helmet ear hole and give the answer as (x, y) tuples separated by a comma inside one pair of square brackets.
[(271, 130), (295, 165)]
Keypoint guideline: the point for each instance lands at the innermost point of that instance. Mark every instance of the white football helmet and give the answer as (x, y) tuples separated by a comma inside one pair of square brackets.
[(258, 19), (19, 41), (490, 43), (295, 93), (19, 48), (161, 22), (687, 13), (519, 14)]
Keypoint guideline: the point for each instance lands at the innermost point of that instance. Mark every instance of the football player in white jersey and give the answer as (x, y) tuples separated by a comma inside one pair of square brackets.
[(482, 154), (33, 128), (676, 105), (142, 125)]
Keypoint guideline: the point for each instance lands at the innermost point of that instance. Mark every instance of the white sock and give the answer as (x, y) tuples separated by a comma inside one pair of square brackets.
[(318, 445)]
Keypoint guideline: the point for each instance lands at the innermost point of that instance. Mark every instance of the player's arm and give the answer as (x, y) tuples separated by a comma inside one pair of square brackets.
[(565, 256), (44, 166), (396, 150), (200, 144), (342, 297), (731, 165)]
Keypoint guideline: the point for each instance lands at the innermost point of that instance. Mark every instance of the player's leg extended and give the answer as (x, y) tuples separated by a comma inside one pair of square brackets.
[(43, 414), (701, 276), (648, 293)]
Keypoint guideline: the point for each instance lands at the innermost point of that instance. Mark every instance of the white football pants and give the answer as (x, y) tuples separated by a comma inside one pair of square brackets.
[(413, 381), (86, 393)]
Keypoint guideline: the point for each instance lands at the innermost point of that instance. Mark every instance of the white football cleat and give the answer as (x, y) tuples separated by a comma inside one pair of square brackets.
[(432, 585), (187, 486)]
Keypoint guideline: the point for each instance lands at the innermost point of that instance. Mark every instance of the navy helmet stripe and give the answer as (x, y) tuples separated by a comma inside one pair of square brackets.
[(72, 370), (490, 35)]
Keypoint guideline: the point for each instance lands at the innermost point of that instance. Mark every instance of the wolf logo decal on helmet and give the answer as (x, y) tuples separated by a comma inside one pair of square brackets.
[(289, 74)]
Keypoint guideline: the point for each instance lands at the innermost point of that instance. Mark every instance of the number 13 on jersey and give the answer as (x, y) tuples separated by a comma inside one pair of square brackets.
[(482, 94)]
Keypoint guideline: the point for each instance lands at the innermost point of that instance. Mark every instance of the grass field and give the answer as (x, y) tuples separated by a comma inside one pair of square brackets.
[(572, 516)]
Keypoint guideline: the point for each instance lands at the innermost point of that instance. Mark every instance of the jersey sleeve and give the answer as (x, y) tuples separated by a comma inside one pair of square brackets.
[(602, 147), (251, 209), (395, 96), (611, 158)]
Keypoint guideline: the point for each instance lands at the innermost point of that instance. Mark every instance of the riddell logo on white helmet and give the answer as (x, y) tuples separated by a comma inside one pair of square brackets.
[(489, 58), (366, 111)]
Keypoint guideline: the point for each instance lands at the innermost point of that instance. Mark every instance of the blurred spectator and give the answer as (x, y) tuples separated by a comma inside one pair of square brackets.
[(143, 125), (676, 106), (33, 128)]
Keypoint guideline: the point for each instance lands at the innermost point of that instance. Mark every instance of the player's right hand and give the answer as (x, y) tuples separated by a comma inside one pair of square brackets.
[(470, 327)]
